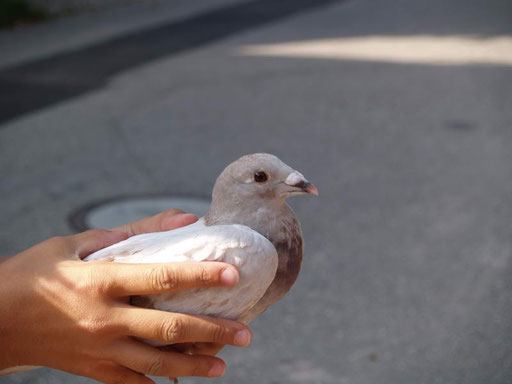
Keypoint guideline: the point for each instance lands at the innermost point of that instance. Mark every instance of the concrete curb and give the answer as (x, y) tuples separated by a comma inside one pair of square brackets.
[(94, 25)]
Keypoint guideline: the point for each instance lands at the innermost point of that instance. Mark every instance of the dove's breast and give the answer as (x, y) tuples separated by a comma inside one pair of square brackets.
[(287, 240), (254, 256)]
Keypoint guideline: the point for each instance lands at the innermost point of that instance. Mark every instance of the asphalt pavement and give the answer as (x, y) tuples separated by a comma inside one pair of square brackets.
[(406, 275)]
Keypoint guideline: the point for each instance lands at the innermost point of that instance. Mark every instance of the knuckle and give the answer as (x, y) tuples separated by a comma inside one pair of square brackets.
[(200, 367), (205, 277), (219, 333), (58, 244), (163, 279), (173, 330), (87, 280), (197, 370), (155, 366), (134, 227), (92, 281), (96, 324)]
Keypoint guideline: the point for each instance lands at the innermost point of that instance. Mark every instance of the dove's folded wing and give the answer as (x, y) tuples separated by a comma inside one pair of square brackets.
[(253, 255)]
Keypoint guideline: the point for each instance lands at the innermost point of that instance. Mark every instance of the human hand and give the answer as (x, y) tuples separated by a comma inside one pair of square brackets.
[(166, 221), (60, 312)]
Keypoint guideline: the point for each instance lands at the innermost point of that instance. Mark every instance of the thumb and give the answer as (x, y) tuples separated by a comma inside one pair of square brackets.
[(95, 239)]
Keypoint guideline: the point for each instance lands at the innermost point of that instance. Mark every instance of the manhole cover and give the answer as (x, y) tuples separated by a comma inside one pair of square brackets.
[(113, 212)]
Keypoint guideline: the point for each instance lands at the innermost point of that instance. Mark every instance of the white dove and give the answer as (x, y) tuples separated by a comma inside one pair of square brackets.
[(248, 225)]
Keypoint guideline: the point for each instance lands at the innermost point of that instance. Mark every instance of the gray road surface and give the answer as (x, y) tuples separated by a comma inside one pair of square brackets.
[(407, 272)]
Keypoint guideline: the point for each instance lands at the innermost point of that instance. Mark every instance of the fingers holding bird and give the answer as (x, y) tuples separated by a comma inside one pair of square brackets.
[(174, 328), (148, 360), (164, 221), (200, 348), (122, 279)]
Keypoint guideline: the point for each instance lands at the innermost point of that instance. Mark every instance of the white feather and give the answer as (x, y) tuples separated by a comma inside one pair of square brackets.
[(254, 256)]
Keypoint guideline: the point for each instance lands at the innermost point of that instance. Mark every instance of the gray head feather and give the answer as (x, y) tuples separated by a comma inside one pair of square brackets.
[(253, 189)]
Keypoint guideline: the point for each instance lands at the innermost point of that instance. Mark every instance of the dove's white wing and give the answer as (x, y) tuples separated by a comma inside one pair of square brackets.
[(254, 256)]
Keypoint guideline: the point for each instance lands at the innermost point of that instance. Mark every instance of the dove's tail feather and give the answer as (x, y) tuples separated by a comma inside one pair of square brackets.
[(17, 369)]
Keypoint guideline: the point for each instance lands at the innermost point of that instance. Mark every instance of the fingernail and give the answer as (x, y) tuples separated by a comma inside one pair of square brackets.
[(229, 276), (242, 338), (217, 370)]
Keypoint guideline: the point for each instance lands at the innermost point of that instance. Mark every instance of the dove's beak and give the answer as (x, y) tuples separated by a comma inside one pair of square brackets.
[(310, 188), (298, 181), (307, 187)]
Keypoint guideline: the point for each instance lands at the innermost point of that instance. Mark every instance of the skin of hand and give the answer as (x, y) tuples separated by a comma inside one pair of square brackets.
[(60, 312)]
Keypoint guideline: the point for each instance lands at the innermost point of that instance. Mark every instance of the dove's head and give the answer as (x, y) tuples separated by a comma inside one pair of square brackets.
[(261, 176)]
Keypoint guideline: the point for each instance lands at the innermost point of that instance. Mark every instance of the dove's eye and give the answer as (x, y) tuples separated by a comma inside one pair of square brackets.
[(260, 177)]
